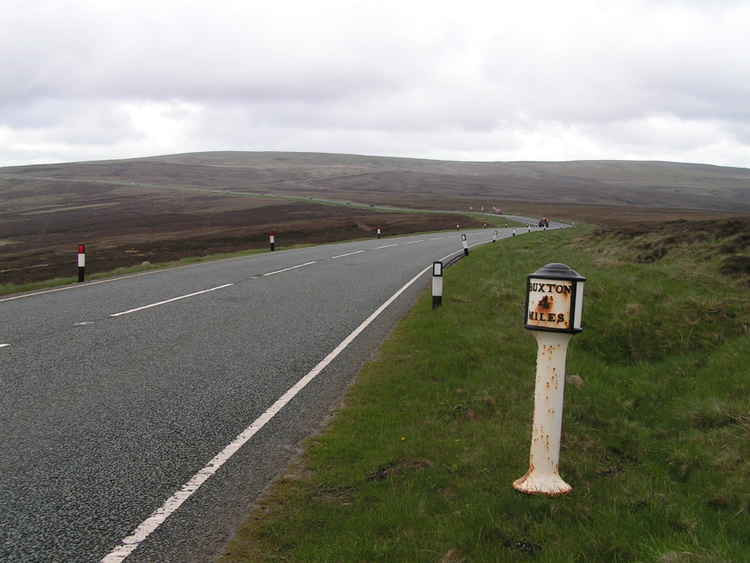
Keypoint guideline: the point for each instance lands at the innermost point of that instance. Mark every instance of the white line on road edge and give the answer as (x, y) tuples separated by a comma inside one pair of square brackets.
[(78, 286), (169, 300), (4, 345), (386, 246), (292, 268), (347, 254), (145, 528)]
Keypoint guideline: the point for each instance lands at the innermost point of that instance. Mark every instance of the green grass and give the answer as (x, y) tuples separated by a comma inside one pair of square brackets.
[(418, 465)]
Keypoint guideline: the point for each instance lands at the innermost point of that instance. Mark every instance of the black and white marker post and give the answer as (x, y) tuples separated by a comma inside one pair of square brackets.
[(81, 262), (494, 236), (465, 244), (437, 284), (379, 232), (272, 241)]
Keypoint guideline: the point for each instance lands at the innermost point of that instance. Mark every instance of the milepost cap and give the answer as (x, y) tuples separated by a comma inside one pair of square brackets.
[(556, 271)]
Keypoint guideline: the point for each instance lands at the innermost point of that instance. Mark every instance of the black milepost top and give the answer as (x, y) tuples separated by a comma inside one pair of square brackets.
[(557, 271), (555, 305)]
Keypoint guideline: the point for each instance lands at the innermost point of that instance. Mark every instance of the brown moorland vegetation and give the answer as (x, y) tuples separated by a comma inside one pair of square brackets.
[(166, 207)]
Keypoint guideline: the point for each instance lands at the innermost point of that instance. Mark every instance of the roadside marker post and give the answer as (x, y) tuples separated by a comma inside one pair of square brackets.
[(514, 232), (458, 226), (494, 236), (272, 241), (554, 306), (437, 284), (379, 232), (465, 244), (81, 262)]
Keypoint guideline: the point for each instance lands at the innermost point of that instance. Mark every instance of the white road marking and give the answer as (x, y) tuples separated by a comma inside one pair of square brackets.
[(347, 254), (169, 300), (290, 268), (78, 286), (150, 524), (414, 242), (4, 345), (83, 323), (385, 246)]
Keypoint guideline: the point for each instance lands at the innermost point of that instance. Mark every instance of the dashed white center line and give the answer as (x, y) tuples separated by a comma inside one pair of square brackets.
[(347, 254), (4, 345), (169, 300), (414, 241), (385, 246), (290, 268)]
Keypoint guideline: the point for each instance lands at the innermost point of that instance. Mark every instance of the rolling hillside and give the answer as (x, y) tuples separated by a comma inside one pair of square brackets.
[(415, 181), (163, 208)]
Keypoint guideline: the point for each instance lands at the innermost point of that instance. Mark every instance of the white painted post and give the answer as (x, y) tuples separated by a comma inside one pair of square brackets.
[(494, 236), (272, 241), (553, 310), (514, 232), (465, 244), (379, 232), (437, 284), (81, 262)]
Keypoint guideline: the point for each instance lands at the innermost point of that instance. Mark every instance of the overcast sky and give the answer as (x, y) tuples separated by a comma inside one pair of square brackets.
[(460, 80)]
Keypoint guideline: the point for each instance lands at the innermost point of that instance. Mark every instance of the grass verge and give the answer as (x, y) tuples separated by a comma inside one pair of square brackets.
[(418, 464)]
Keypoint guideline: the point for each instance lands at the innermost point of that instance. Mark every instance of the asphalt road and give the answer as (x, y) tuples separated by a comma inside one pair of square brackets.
[(116, 394)]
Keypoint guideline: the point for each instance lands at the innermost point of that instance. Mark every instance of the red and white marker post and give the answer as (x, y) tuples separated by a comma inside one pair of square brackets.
[(81, 262), (272, 240)]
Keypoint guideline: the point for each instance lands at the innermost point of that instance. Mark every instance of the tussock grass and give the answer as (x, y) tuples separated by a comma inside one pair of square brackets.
[(418, 465)]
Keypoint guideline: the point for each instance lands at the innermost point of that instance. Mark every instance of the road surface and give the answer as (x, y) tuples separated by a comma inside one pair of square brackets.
[(118, 394)]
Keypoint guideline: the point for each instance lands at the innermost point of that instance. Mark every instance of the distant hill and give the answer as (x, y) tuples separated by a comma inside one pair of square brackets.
[(418, 182)]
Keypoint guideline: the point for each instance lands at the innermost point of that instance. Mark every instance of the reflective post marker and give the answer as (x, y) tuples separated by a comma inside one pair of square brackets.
[(554, 305), (458, 226), (437, 284), (81, 262), (494, 236), (272, 241), (514, 232), (465, 245), (379, 232)]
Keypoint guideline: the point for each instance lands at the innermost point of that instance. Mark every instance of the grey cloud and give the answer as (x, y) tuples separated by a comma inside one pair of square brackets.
[(474, 81)]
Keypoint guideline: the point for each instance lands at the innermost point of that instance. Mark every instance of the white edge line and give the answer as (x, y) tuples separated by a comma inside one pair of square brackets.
[(386, 246), (4, 345), (290, 268), (414, 241), (169, 300), (347, 254), (79, 285), (145, 528)]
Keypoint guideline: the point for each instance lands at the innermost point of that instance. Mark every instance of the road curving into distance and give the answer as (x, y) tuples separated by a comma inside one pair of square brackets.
[(142, 416)]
